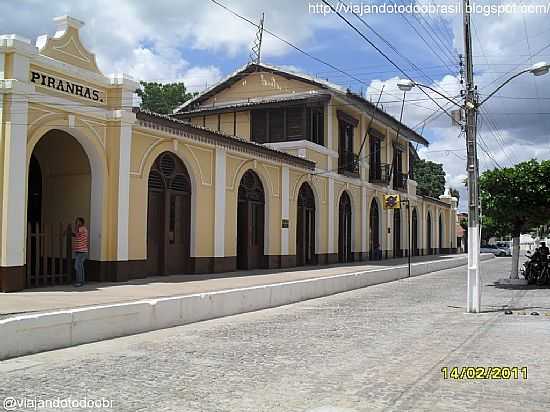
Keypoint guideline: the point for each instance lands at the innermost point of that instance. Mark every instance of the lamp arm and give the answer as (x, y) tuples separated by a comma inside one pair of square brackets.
[(502, 85), (439, 93)]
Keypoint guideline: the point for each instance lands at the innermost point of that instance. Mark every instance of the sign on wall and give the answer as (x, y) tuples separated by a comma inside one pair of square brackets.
[(392, 202), (68, 87)]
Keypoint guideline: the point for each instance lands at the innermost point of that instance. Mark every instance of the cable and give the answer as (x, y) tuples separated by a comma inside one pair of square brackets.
[(379, 51)]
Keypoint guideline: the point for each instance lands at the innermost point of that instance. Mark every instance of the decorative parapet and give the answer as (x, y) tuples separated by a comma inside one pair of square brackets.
[(65, 45), (411, 187)]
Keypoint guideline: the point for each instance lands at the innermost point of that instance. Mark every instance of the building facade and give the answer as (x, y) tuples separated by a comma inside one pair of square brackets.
[(264, 170)]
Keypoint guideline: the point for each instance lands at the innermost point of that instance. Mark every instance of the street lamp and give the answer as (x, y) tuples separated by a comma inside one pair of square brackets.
[(537, 69), (406, 85)]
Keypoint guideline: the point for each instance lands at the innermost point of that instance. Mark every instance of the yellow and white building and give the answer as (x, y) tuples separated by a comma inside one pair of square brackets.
[(261, 170)]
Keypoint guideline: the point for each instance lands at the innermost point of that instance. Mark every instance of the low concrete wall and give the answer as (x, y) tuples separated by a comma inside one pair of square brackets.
[(39, 332)]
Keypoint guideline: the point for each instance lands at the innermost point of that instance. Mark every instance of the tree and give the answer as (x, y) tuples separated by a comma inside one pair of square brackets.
[(455, 193), (517, 199), (162, 98), (430, 178)]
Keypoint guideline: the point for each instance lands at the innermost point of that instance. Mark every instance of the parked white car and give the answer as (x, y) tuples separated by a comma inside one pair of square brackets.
[(492, 249), (506, 247)]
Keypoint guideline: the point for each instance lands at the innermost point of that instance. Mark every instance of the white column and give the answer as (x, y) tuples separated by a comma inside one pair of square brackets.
[(15, 181), (363, 155), (331, 216), (285, 208), (123, 212), (219, 203), (364, 207), (2, 65)]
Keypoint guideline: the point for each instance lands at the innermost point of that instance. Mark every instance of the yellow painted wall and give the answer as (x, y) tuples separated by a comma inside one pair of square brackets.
[(227, 123), (199, 161), (243, 125)]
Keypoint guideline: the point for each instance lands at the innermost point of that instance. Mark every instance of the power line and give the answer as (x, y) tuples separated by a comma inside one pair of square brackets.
[(380, 51), (335, 68)]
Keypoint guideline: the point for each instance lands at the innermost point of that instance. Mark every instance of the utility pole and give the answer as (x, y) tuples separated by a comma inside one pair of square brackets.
[(470, 106)]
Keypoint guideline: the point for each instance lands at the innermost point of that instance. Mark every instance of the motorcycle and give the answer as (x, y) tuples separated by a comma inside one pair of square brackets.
[(536, 270)]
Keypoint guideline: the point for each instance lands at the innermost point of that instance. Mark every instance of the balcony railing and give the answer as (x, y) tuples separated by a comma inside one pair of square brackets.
[(380, 173), (348, 164), (400, 181)]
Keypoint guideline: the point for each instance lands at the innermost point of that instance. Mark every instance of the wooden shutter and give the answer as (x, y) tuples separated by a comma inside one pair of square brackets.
[(259, 126), (276, 125), (295, 123)]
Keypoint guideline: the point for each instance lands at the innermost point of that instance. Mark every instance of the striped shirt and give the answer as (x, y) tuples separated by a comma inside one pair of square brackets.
[(80, 240)]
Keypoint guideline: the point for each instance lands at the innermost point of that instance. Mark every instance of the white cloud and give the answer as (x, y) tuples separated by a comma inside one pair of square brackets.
[(199, 78)]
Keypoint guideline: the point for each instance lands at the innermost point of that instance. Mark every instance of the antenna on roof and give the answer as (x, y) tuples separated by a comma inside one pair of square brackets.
[(256, 52)]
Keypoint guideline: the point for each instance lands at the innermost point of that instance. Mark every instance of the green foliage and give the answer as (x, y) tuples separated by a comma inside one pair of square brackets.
[(491, 228), (518, 198), (455, 193), (464, 223), (430, 178), (162, 98)]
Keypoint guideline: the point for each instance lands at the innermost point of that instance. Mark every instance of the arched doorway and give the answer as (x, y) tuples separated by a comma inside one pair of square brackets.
[(250, 222), (59, 190), (34, 195), (168, 217), (397, 252), (441, 234), (414, 229), (344, 229), (374, 231), (429, 234), (305, 227)]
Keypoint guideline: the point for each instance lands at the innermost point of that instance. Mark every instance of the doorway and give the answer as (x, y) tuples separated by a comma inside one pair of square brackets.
[(344, 229), (305, 227), (168, 217), (250, 222)]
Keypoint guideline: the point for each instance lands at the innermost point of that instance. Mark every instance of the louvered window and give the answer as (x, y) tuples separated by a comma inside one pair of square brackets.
[(155, 180)]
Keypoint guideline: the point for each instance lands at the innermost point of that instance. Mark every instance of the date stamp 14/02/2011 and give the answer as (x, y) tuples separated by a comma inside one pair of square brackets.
[(485, 372)]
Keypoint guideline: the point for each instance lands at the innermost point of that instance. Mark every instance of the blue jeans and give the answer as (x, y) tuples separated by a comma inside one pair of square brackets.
[(79, 259)]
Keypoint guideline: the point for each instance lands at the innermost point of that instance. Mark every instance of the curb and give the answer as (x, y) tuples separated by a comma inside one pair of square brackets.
[(27, 334)]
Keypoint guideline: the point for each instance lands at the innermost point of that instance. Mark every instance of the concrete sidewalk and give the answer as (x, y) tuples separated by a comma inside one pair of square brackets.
[(137, 307), (67, 296)]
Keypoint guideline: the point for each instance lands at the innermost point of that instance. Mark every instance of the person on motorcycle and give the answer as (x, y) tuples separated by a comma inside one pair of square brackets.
[(543, 250)]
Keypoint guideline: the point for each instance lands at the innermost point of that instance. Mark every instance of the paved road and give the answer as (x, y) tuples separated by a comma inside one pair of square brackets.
[(378, 348)]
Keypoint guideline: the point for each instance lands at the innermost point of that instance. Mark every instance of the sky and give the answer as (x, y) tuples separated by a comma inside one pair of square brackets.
[(199, 42)]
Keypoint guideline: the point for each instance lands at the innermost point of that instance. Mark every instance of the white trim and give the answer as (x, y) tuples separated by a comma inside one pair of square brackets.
[(330, 248), (76, 107), (73, 71), (302, 144), (2, 65), (285, 208), (330, 143), (15, 178), (219, 203), (364, 208), (123, 212)]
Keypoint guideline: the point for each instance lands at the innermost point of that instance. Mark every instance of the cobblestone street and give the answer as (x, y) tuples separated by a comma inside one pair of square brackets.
[(378, 348)]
